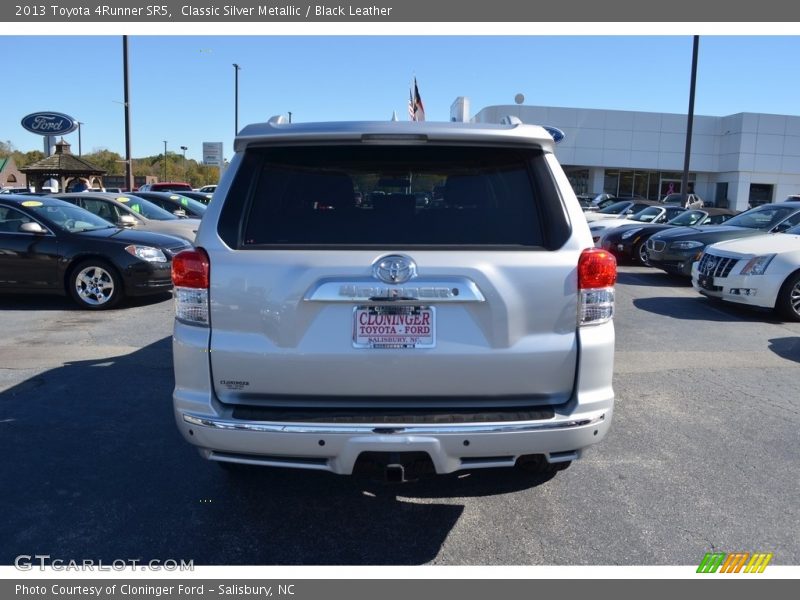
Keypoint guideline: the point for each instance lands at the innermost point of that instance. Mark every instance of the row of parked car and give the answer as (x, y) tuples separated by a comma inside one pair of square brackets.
[(750, 258), (97, 247), (605, 203)]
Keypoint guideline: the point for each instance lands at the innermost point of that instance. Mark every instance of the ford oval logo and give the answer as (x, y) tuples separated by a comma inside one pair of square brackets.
[(394, 268), (555, 133), (49, 123)]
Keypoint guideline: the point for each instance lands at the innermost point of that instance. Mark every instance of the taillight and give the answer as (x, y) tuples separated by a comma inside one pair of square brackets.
[(596, 269), (190, 269), (597, 273), (190, 278)]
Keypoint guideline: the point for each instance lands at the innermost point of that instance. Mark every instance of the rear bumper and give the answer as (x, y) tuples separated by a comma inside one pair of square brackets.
[(335, 446)]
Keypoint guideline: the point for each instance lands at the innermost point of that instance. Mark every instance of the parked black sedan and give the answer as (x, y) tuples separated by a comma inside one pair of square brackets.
[(628, 242), (675, 250), (54, 247), (175, 202)]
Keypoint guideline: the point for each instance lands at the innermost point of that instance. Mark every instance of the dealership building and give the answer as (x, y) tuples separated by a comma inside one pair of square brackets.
[(737, 161)]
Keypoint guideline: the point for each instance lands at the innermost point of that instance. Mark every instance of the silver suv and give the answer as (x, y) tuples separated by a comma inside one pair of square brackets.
[(386, 335)]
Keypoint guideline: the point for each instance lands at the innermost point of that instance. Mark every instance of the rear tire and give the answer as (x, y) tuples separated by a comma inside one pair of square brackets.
[(788, 303), (94, 284)]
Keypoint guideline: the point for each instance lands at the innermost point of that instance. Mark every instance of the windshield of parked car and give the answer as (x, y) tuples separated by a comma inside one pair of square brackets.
[(616, 208), (146, 208), (70, 218), (605, 203), (763, 217), (688, 218), (794, 230), (646, 215), (191, 204)]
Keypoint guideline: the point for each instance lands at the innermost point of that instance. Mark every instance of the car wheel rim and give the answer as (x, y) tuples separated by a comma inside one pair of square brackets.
[(794, 298), (642, 254), (94, 286)]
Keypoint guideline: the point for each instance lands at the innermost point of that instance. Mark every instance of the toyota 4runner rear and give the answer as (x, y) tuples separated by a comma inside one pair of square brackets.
[(471, 329)]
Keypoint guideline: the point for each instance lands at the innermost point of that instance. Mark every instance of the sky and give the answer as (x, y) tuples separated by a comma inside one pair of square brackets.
[(182, 87)]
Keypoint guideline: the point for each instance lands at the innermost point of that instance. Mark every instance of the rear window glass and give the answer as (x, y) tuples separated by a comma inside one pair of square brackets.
[(389, 195)]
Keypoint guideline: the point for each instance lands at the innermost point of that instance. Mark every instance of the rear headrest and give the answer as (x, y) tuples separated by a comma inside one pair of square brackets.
[(395, 203), (329, 190), (466, 191)]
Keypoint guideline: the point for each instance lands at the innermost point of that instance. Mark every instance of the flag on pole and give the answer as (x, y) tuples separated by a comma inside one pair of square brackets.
[(416, 110)]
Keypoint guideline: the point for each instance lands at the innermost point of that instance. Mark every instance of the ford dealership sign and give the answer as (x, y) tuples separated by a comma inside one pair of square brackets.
[(555, 133), (49, 123)]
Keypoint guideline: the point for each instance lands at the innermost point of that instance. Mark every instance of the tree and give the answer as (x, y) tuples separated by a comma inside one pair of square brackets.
[(191, 171), (107, 160)]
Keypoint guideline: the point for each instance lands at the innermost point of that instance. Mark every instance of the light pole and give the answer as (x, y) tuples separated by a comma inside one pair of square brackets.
[(126, 86), (689, 121), (236, 69), (184, 148), (79, 137), (165, 160)]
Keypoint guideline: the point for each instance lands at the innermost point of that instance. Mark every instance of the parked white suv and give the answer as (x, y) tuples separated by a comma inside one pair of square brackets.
[(392, 336)]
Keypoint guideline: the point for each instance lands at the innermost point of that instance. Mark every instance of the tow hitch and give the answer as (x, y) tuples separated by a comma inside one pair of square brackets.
[(394, 467)]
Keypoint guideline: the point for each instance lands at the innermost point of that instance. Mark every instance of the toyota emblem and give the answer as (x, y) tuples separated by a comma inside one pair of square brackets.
[(394, 269)]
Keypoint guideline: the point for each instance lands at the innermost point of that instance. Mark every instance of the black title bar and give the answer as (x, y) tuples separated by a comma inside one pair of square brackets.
[(459, 11)]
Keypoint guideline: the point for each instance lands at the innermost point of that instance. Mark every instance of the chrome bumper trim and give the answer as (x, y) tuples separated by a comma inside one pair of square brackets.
[(330, 429)]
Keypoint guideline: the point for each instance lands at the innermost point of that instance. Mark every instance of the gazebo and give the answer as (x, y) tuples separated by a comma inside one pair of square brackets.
[(72, 172)]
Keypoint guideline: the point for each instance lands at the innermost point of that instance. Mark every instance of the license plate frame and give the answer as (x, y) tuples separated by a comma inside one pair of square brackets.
[(394, 327)]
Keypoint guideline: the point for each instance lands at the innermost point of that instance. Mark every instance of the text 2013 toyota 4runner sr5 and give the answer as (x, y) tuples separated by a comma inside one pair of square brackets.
[(404, 298)]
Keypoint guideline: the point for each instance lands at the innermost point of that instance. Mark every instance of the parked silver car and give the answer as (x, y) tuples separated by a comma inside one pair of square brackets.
[(692, 201), (395, 337), (133, 212)]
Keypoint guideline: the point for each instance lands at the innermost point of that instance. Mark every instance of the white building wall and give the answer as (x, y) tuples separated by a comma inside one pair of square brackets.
[(737, 149)]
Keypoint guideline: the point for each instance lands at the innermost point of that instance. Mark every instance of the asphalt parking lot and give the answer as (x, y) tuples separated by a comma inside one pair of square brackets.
[(702, 455)]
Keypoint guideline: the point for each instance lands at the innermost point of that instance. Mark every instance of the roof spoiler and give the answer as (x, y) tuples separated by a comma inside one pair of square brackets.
[(554, 132)]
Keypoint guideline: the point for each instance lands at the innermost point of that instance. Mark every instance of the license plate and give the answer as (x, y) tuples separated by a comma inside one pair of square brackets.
[(394, 327)]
